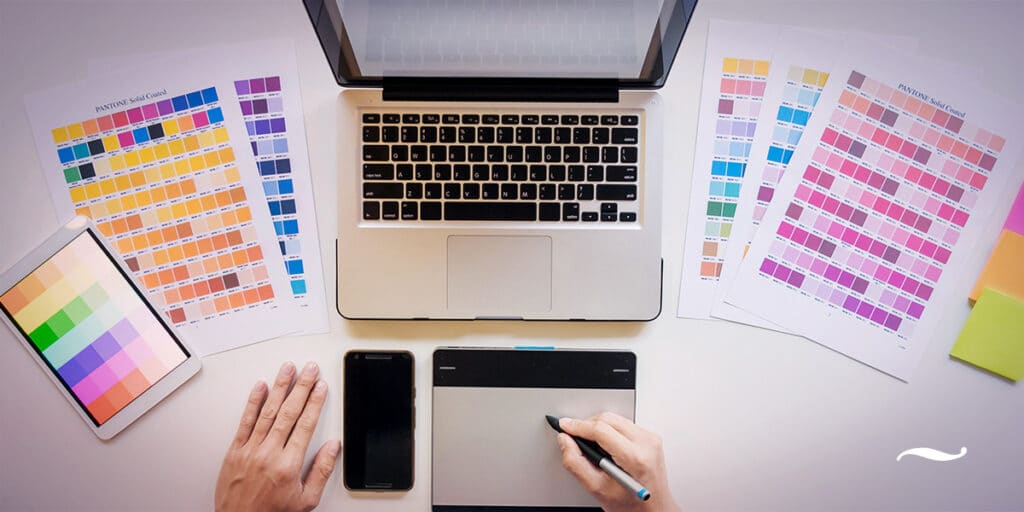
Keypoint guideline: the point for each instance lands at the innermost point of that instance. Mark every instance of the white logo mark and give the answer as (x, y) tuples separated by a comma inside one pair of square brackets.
[(933, 454)]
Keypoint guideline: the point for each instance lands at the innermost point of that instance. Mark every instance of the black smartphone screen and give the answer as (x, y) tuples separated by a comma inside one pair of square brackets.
[(378, 438)]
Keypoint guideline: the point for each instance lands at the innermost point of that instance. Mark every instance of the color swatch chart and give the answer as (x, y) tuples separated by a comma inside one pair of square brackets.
[(742, 89), (800, 95), (262, 103), (161, 182), (89, 323), (878, 212)]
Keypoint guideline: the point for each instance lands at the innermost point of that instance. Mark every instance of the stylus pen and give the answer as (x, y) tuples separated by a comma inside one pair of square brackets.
[(596, 455)]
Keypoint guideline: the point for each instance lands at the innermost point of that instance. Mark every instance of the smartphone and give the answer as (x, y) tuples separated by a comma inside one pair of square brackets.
[(379, 420)]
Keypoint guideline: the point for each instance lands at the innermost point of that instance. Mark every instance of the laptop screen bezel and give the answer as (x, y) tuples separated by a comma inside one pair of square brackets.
[(332, 35)]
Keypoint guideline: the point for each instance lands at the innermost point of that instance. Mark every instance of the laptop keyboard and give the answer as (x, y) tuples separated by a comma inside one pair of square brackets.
[(539, 167)]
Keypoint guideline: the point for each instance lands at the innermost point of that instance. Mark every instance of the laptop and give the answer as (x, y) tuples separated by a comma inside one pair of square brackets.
[(499, 159)]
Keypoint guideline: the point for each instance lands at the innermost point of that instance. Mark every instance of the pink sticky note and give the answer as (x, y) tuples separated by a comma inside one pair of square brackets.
[(1015, 221)]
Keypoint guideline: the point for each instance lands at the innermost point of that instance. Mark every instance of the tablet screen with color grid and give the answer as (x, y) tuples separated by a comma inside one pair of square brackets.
[(93, 329)]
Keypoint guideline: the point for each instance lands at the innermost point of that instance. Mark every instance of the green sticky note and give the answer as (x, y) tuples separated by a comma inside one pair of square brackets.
[(993, 337)]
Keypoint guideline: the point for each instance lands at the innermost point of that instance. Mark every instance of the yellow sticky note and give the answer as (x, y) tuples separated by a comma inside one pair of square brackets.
[(993, 337), (1004, 272)]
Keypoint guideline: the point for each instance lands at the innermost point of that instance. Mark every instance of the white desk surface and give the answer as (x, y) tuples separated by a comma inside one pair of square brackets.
[(752, 420)]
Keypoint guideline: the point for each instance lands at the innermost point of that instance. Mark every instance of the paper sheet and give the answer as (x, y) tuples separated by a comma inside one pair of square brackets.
[(1015, 220), (262, 77), (1003, 271), (150, 157), (801, 63), (993, 337), (869, 243), (736, 68)]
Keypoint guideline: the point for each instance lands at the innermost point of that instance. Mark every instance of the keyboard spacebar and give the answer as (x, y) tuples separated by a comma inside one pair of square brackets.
[(490, 211)]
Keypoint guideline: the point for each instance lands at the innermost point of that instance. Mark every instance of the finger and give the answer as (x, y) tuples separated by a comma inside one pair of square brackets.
[(611, 440), (574, 462), (306, 424), (251, 412), (627, 428), (273, 403), (293, 405), (320, 472)]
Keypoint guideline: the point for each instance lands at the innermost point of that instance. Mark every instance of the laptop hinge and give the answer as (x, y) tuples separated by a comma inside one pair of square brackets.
[(502, 89)]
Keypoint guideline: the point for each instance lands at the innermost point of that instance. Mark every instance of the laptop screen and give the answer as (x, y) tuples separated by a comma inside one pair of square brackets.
[(632, 42)]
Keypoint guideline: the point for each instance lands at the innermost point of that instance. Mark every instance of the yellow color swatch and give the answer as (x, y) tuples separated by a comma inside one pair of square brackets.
[(1003, 272), (761, 67), (730, 65), (60, 135), (75, 131)]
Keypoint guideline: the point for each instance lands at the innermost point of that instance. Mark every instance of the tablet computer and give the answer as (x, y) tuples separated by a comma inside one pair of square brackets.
[(492, 446), (74, 306)]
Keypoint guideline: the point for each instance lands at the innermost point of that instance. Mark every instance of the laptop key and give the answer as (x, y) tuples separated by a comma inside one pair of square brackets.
[(371, 118), (509, 191), (577, 173), (520, 173), (462, 172), (410, 210), (378, 172), (534, 153), (552, 154), (432, 191), (627, 217), (616, 192), (470, 119), (423, 172), (591, 154), (491, 119), (524, 135), (431, 119), (571, 154), (570, 119), (546, 192), (528, 191), (510, 119), (445, 134), (563, 135), (585, 192), (389, 211), (375, 153), (543, 135), (404, 171), (442, 172), (467, 135), (438, 153), (471, 191), (589, 216), (609, 208), (549, 211), (495, 153), (531, 119), (538, 173), (556, 172), (452, 190), (409, 134), (590, 120), (499, 172), (505, 134), (430, 210), (566, 192), (489, 191), (456, 153), (549, 119), (601, 135), (513, 153), (392, 118), (629, 155), (581, 135), (595, 173), (382, 190), (428, 134), (410, 118), (609, 120), (620, 173), (625, 135), (418, 153), (477, 154), (476, 210), (481, 172), (389, 134), (570, 212), (608, 217), (399, 153), (371, 134), (371, 210), (485, 134), (450, 118), (413, 190), (630, 120), (610, 155)]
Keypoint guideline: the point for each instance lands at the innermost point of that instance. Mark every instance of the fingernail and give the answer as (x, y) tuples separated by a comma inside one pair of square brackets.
[(321, 386), (565, 422), (260, 385), (334, 448), (310, 368), (287, 369)]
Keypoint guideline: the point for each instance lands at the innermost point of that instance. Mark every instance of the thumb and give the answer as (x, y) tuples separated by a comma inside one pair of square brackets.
[(320, 472)]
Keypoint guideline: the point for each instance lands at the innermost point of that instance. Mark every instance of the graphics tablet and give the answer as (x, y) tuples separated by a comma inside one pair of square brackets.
[(492, 447), (77, 311)]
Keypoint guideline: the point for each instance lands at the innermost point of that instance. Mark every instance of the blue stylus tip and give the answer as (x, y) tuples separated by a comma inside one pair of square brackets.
[(643, 494)]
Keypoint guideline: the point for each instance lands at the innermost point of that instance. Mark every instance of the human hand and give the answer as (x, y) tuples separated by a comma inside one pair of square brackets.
[(262, 469), (634, 449)]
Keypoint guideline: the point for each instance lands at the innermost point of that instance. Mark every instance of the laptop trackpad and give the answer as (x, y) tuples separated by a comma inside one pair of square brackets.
[(499, 275)]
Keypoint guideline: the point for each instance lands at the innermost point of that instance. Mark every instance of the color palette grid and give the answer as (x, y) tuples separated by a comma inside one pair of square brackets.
[(162, 184), (880, 208), (741, 91), (91, 326), (262, 104), (800, 95)]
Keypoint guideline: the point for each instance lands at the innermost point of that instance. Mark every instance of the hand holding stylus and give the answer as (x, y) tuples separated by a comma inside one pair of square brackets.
[(634, 449)]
